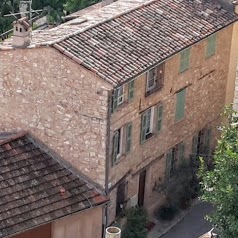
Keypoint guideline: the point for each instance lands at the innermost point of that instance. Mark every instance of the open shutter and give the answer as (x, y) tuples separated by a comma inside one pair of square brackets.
[(159, 116), (114, 100), (181, 152), (208, 141), (115, 147), (128, 137), (168, 164), (131, 88), (143, 127)]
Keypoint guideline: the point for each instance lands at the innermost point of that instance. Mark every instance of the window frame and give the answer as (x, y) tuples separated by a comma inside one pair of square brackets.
[(158, 79)]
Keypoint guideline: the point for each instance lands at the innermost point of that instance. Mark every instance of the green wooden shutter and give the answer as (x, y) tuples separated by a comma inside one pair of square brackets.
[(128, 137), (181, 152), (180, 105), (211, 45), (115, 147), (168, 164), (143, 126), (131, 89), (184, 60), (208, 141), (159, 116), (114, 100)]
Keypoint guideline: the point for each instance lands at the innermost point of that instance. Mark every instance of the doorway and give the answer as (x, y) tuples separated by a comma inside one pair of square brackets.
[(141, 192)]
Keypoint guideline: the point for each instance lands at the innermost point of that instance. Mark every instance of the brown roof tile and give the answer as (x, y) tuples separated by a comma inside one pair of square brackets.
[(125, 46), (37, 188)]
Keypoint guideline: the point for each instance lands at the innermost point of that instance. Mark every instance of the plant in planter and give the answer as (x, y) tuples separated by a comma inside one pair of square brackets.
[(166, 212)]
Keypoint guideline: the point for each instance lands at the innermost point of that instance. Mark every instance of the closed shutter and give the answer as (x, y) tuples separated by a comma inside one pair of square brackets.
[(159, 116), (180, 105), (128, 137), (181, 152), (115, 147), (143, 127), (184, 60), (131, 89), (168, 164), (211, 45)]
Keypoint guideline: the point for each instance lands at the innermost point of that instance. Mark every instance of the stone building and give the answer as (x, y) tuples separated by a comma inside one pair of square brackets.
[(124, 92)]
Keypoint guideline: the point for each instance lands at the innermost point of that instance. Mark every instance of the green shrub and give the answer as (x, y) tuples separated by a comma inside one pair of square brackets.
[(167, 212), (136, 223)]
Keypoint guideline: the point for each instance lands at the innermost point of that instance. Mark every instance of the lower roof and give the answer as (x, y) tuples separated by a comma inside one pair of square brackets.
[(37, 188)]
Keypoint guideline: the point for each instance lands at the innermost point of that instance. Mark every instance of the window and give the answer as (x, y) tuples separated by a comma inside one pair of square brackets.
[(184, 60), (151, 121), (155, 79), (180, 105), (16, 28), (201, 143), (211, 46), (173, 157), (131, 89), (146, 124), (118, 97), (20, 29), (121, 197), (122, 141)]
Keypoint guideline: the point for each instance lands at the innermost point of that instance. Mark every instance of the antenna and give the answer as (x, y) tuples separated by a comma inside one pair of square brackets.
[(23, 6)]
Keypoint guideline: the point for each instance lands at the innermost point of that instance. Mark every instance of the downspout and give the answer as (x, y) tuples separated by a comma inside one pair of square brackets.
[(107, 164)]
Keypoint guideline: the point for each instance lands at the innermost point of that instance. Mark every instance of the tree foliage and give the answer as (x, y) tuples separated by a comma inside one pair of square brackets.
[(53, 9), (220, 185), (136, 223)]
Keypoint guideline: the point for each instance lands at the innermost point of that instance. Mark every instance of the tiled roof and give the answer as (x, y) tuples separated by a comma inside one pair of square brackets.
[(125, 46), (37, 188)]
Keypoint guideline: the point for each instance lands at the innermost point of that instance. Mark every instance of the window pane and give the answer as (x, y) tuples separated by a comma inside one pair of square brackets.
[(128, 137), (180, 105), (131, 89)]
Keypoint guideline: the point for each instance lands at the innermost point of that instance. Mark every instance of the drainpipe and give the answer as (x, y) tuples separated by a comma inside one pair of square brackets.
[(107, 164)]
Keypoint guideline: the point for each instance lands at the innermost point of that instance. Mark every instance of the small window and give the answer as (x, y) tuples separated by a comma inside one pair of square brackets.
[(184, 60), (155, 79), (16, 28), (20, 29), (174, 157), (211, 46), (118, 97), (180, 105)]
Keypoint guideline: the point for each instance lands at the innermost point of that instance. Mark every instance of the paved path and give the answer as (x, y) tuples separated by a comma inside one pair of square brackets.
[(193, 225)]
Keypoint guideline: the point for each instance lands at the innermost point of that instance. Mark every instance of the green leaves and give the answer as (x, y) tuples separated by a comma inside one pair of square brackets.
[(220, 186)]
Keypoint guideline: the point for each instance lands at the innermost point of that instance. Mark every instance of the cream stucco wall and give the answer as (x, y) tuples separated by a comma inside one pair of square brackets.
[(230, 88), (87, 224)]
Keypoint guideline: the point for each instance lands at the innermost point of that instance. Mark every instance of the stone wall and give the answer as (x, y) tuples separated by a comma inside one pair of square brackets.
[(205, 83), (59, 102)]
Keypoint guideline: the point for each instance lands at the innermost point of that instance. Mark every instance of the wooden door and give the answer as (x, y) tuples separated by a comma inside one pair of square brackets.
[(141, 192)]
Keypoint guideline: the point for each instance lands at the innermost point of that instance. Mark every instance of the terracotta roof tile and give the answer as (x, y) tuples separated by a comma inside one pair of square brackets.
[(36, 188), (124, 46)]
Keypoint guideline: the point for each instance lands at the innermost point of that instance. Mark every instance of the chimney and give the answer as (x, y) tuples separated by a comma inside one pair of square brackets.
[(21, 33), (107, 2)]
